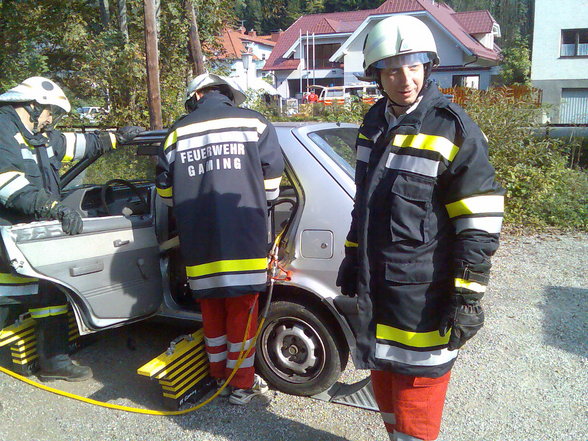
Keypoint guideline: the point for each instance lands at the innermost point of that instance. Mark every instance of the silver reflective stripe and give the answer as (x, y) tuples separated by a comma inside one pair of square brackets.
[(415, 358), (248, 362), (50, 152), (363, 153), (228, 280), (12, 187), (222, 123), (218, 138), (413, 164), (19, 290), (236, 347), (215, 358), (399, 436), (389, 418), (48, 312), (270, 195), (215, 341), (27, 154), (80, 146), (171, 156), (491, 224)]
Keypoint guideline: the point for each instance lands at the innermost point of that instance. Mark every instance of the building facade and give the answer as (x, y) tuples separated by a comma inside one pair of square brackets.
[(326, 49), (560, 59)]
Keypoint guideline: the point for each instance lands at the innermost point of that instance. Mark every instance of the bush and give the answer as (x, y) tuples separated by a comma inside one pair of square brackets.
[(541, 191)]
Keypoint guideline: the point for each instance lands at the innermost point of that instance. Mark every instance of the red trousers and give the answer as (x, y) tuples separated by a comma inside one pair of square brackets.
[(225, 322), (410, 405)]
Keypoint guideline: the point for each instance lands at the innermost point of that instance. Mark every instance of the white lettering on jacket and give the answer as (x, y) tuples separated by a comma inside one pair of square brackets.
[(213, 157)]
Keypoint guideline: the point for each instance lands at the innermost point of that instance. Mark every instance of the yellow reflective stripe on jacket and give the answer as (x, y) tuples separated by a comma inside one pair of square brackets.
[(476, 204), (226, 266), (413, 339), (171, 139), (49, 311), (472, 286), (438, 144), (349, 244), (165, 192), (362, 136), (10, 279)]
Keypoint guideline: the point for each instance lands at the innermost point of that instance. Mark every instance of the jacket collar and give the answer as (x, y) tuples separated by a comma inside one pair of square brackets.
[(411, 123), (9, 111), (213, 98)]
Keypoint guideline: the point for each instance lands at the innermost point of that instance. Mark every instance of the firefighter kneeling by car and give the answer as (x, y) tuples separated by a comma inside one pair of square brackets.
[(425, 224), (31, 153), (219, 166)]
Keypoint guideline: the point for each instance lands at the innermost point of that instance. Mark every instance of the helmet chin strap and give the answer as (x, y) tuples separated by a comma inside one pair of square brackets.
[(34, 112)]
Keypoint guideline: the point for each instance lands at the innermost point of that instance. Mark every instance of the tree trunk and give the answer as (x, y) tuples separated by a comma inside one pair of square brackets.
[(195, 50), (123, 19), (152, 57), (104, 13)]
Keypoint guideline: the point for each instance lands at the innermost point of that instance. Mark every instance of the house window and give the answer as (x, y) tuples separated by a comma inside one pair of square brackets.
[(472, 81), (574, 43), (322, 53)]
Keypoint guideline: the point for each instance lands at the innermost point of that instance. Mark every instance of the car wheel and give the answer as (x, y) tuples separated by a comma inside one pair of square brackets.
[(298, 351)]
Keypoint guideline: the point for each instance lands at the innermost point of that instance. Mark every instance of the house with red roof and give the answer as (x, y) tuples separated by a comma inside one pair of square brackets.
[(243, 54), (326, 49)]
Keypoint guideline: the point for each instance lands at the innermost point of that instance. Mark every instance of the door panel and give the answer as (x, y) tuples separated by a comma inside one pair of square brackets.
[(112, 267)]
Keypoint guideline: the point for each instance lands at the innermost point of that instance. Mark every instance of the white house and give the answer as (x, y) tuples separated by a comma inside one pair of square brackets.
[(326, 49), (560, 59)]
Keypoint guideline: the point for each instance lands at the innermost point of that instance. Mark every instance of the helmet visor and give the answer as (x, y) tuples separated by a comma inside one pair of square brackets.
[(405, 60), (56, 114)]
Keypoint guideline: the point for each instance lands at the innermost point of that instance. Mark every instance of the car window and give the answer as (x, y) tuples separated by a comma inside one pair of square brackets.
[(339, 145), (335, 93), (122, 163)]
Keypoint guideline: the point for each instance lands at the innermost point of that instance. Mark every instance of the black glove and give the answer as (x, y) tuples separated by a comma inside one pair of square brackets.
[(127, 133), (347, 275), (464, 317), (46, 207)]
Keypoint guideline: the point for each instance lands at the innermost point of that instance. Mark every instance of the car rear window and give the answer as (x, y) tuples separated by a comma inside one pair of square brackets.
[(339, 145)]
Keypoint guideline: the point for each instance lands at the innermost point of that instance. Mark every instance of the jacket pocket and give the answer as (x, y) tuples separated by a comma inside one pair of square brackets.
[(411, 272), (410, 208)]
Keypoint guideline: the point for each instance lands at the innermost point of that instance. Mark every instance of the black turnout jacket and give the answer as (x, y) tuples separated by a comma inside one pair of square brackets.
[(218, 167), (426, 221)]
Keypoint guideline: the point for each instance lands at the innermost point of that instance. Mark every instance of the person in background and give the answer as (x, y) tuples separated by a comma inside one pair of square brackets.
[(31, 153), (219, 167)]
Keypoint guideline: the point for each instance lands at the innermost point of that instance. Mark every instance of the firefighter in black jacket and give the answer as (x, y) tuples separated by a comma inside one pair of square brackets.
[(220, 165), (31, 154), (425, 223)]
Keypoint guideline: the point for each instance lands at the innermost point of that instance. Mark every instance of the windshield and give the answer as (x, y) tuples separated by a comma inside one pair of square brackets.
[(339, 145)]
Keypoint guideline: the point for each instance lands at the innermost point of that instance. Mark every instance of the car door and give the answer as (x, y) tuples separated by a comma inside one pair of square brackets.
[(111, 270)]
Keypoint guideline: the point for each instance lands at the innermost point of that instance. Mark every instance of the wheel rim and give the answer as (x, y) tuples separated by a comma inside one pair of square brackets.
[(293, 349)]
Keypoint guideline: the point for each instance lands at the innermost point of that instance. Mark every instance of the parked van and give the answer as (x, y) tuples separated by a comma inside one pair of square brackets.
[(344, 94)]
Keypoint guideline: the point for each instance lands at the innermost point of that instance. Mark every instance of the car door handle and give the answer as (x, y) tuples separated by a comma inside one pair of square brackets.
[(75, 271), (119, 243)]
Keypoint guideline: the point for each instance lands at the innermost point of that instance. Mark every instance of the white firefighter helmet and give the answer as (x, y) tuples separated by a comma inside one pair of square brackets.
[(208, 80), (398, 41), (40, 90)]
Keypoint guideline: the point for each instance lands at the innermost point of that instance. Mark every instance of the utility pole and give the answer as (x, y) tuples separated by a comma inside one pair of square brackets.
[(152, 59), (194, 40)]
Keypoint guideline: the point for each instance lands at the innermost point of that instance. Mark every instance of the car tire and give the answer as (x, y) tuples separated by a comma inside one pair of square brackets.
[(298, 351)]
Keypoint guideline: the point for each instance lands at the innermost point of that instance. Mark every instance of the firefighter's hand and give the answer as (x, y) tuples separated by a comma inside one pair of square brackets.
[(463, 318), (127, 133), (71, 221), (347, 276)]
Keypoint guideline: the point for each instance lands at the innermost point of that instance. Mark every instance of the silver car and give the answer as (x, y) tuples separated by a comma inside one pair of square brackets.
[(124, 268)]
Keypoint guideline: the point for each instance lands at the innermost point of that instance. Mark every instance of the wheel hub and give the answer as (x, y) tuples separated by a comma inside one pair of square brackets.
[(294, 348)]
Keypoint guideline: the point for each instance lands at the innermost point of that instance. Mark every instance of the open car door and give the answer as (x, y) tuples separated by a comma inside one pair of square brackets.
[(111, 271)]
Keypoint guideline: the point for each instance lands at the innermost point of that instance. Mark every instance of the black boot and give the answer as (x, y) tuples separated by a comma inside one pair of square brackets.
[(54, 361), (61, 367)]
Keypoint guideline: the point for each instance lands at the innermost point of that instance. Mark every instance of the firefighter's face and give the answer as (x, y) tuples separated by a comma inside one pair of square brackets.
[(403, 84), (45, 119)]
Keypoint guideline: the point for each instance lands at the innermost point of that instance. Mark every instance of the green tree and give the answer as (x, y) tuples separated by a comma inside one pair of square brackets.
[(516, 64)]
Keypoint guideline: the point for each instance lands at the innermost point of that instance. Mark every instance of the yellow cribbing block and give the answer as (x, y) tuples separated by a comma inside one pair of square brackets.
[(178, 385), (183, 391), (185, 369), (159, 366), (16, 331)]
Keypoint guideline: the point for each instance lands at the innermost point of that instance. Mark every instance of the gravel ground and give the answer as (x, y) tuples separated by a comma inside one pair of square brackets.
[(524, 377)]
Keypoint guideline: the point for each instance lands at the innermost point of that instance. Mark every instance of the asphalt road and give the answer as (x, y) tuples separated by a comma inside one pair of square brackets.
[(524, 377)]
